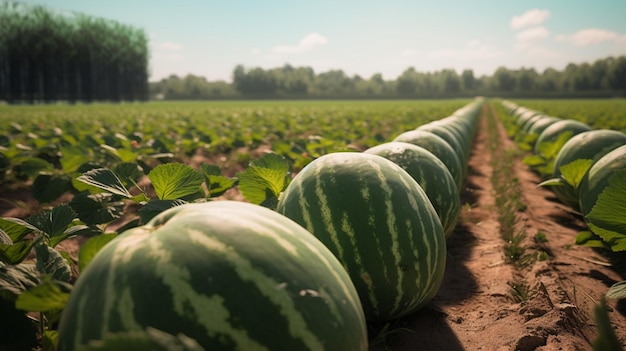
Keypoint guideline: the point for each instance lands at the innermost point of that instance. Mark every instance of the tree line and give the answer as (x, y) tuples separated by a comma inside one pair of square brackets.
[(602, 78), (48, 56)]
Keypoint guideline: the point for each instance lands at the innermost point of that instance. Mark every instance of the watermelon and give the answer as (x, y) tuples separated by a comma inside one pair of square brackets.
[(555, 130), (440, 148), (230, 275), (430, 173), (597, 178), (591, 145), (378, 222)]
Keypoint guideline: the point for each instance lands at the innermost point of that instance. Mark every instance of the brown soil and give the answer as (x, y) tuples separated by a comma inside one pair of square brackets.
[(476, 308)]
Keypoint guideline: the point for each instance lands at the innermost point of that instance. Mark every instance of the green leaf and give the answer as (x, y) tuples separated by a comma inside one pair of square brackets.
[(73, 157), (155, 206), (49, 187), (15, 279), (552, 182), (95, 209), (33, 166), (606, 339), (148, 339), (173, 181), (617, 290), (5, 239), (216, 183), (45, 297), (574, 172), (606, 218), (264, 180), (91, 247), (17, 228), (53, 222), (16, 253), (73, 231), (50, 262), (105, 179), (128, 173), (533, 161), (50, 340), (549, 149), (588, 238)]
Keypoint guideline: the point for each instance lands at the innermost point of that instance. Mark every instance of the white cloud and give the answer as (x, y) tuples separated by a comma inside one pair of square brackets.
[(474, 50), (590, 36), (168, 46), (530, 37), (529, 18), (307, 43), (410, 52)]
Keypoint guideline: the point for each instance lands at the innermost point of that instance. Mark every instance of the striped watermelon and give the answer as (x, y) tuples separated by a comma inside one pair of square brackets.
[(430, 173), (231, 275), (380, 224)]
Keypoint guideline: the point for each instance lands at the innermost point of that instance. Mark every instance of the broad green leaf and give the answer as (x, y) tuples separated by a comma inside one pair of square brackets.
[(105, 179), (5, 239), (549, 149), (606, 218), (16, 253), (91, 247), (173, 181), (50, 262), (50, 340), (617, 290), (53, 222), (606, 339), (126, 155), (47, 296), (148, 339), (574, 172), (156, 206), (111, 151), (17, 228), (129, 173), (95, 209), (15, 279), (534, 160), (49, 187), (216, 183), (73, 231), (73, 157), (588, 238), (33, 166), (264, 180)]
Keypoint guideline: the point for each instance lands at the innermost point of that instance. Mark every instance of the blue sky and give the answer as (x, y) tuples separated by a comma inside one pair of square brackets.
[(209, 38)]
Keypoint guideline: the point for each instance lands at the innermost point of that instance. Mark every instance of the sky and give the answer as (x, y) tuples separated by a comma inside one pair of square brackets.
[(209, 38)]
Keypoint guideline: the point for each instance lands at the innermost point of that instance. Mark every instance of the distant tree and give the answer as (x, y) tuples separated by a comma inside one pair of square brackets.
[(504, 80), (451, 83), (406, 84), (549, 80), (468, 80), (527, 79), (617, 74)]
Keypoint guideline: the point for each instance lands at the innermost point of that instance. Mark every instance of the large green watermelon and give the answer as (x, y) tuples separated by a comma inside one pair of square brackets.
[(440, 148), (430, 173), (591, 145), (380, 224), (231, 275)]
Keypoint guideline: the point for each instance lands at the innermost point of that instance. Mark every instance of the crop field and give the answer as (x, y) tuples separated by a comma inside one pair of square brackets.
[(476, 242)]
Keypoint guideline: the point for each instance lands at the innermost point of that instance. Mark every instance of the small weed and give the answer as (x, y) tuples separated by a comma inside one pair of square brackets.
[(520, 291), (540, 237)]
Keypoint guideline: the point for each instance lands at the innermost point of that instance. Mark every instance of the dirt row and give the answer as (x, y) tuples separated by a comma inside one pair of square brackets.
[(487, 303)]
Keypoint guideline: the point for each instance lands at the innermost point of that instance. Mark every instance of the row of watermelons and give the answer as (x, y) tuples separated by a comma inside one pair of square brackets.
[(585, 168), (356, 237)]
